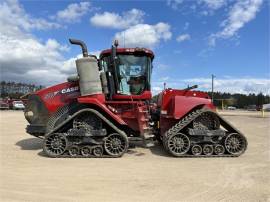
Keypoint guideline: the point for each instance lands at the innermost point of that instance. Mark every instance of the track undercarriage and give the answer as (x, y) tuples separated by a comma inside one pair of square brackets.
[(86, 137), (201, 133), (204, 133)]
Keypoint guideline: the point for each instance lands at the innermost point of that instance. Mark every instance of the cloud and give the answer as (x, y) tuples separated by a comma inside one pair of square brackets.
[(73, 12), (13, 18), (241, 13), (156, 89), (28, 60), (144, 35), (186, 26), (68, 66), (23, 58), (165, 78), (244, 85), (117, 21), (213, 4), (233, 85), (208, 7), (183, 37), (203, 7), (174, 4)]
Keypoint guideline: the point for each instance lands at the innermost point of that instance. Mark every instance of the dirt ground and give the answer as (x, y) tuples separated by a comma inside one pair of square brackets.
[(140, 175)]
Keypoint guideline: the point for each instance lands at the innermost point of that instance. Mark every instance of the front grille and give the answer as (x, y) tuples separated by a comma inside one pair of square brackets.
[(52, 121), (38, 109)]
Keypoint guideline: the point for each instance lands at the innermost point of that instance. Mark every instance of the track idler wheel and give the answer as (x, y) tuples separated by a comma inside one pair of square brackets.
[(116, 144), (219, 149), (208, 150), (235, 144), (178, 144), (55, 144), (74, 151), (86, 151), (97, 151), (196, 150)]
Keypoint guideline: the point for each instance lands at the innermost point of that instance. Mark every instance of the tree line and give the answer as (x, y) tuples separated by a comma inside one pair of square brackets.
[(15, 90), (240, 100)]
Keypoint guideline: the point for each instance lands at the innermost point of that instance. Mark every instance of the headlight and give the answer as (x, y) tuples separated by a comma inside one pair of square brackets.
[(29, 115)]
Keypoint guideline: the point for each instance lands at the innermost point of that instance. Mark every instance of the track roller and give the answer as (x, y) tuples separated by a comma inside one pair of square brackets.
[(86, 151), (74, 151), (219, 149), (196, 150), (208, 150), (97, 151)]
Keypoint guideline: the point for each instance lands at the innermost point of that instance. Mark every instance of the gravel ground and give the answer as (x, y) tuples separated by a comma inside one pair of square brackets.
[(140, 175)]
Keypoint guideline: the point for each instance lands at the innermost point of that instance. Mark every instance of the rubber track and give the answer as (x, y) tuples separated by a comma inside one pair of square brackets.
[(81, 156), (66, 155), (187, 120)]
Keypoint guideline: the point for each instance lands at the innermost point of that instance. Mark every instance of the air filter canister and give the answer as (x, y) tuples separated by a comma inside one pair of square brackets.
[(89, 78)]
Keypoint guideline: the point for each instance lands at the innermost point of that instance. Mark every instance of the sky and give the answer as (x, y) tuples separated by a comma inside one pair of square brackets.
[(191, 39)]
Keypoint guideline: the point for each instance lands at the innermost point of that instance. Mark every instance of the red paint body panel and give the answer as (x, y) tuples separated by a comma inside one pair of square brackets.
[(123, 109), (146, 95), (181, 105), (166, 96), (98, 101), (174, 104), (129, 112), (130, 51), (57, 96)]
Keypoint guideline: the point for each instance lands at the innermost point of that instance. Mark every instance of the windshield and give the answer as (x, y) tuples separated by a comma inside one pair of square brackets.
[(133, 74)]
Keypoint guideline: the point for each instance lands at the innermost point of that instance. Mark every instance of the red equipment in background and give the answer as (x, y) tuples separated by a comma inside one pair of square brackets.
[(108, 104)]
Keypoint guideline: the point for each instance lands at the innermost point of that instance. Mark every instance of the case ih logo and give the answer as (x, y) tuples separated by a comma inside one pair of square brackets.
[(63, 91)]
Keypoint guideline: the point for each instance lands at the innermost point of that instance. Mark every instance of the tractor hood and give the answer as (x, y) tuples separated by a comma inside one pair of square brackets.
[(41, 104), (59, 95)]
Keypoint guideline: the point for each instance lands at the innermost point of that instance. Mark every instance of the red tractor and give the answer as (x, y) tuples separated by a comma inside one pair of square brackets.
[(109, 103)]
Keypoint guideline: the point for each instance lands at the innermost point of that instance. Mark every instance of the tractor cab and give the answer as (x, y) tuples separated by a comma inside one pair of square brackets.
[(128, 72)]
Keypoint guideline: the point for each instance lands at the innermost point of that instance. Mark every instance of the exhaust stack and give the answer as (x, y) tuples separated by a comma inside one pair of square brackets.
[(82, 44), (87, 69)]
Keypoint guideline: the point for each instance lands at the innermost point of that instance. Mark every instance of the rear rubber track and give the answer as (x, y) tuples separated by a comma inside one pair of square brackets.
[(185, 121)]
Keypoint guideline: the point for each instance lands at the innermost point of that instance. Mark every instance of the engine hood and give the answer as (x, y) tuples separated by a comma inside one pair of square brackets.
[(59, 95)]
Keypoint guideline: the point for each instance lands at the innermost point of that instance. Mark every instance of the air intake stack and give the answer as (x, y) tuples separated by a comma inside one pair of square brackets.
[(87, 69)]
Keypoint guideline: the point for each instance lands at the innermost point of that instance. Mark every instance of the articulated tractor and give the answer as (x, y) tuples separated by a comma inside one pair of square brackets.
[(108, 104)]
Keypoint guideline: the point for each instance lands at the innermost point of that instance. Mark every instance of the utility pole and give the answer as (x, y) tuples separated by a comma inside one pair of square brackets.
[(164, 86), (213, 76)]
